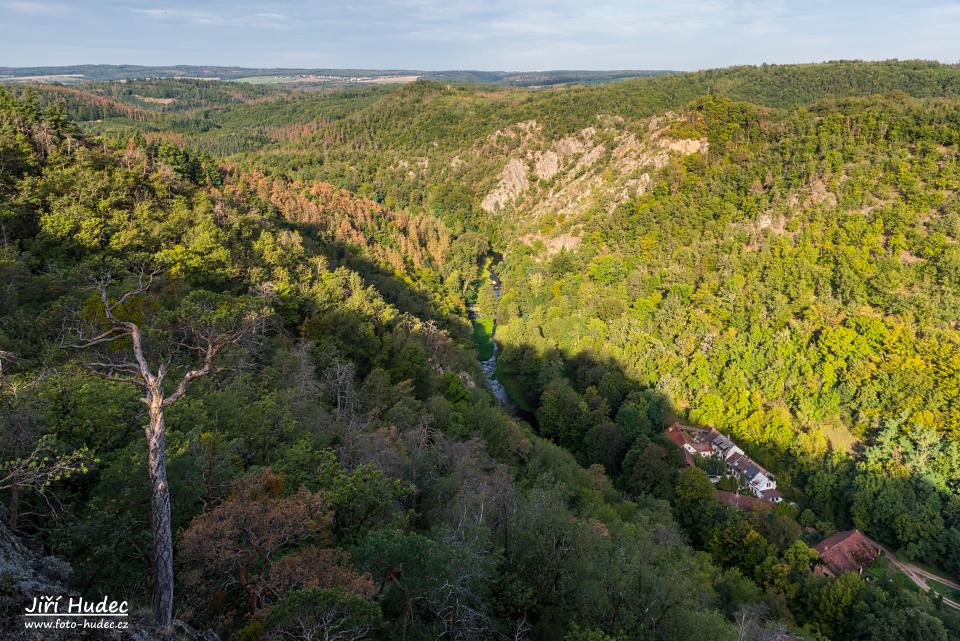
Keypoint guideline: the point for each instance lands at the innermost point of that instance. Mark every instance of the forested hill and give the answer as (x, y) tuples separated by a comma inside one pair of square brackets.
[(342, 463), (770, 251)]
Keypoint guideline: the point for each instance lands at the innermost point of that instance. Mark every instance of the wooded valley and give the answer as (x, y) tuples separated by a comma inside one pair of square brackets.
[(290, 289)]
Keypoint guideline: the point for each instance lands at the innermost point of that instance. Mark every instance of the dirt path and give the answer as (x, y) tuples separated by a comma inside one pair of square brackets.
[(920, 576)]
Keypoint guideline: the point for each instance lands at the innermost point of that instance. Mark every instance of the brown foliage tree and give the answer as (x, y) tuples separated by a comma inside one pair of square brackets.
[(259, 541)]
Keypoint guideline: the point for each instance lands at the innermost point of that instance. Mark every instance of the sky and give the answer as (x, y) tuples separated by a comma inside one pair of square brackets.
[(509, 35)]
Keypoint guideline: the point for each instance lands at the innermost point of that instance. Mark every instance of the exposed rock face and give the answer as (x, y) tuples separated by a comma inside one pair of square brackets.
[(590, 158), (684, 146), (820, 195), (553, 245), (25, 574), (527, 128), (571, 146), (592, 170), (547, 165), (513, 182)]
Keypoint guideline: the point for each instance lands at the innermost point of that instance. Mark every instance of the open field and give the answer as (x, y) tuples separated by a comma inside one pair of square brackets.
[(63, 77), (323, 79), (263, 80), (947, 591), (927, 580), (155, 101), (388, 79)]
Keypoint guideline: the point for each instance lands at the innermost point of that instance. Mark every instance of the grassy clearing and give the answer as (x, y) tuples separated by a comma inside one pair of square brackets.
[(840, 437), (951, 593), (483, 337), (882, 570)]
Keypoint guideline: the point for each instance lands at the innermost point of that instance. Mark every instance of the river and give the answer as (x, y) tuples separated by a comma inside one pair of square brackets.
[(489, 366)]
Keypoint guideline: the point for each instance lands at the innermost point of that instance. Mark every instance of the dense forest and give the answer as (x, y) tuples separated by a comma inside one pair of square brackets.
[(285, 279)]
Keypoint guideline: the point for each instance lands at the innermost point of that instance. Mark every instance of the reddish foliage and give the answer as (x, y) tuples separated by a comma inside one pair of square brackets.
[(258, 540), (416, 241)]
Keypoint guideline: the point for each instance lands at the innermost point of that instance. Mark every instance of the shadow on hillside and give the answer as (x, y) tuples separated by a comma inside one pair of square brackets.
[(393, 289), (585, 403), (591, 406)]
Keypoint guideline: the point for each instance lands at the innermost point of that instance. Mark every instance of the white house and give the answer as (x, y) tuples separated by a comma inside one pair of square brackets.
[(758, 479), (726, 448), (762, 483)]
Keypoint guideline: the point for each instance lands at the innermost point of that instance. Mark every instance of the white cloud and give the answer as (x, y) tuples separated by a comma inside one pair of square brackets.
[(183, 15), (504, 34), (266, 20), (33, 8)]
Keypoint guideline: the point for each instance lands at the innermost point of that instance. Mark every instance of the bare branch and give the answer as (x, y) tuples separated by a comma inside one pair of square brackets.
[(108, 336), (125, 328), (144, 281), (7, 357), (192, 375)]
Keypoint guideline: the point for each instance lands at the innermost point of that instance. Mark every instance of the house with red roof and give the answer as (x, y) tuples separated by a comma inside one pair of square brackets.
[(701, 442), (679, 437), (740, 501), (849, 551)]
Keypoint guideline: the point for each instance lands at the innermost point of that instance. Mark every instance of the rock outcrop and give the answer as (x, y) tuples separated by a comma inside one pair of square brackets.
[(25, 574), (513, 183), (684, 146)]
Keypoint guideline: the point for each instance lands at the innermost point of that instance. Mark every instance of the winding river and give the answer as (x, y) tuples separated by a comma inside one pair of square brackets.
[(489, 366)]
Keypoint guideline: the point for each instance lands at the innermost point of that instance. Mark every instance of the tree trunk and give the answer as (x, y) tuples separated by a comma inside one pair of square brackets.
[(14, 512), (14, 505), (160, 516)]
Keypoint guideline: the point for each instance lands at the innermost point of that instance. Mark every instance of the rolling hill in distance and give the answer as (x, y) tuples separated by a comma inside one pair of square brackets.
[(92, 73), (486, 355)]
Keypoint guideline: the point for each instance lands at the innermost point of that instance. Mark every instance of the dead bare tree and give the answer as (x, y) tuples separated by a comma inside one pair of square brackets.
[(749, 620), (205, 331), (338, 379), (351, 424)]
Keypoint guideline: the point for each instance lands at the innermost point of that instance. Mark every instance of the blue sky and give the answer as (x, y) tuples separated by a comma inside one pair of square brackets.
[(463, 34)]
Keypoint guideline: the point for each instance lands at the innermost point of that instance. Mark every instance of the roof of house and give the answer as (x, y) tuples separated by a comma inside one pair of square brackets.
[(770, 495), (679, 438), (676, 435), (722, 441), (847, 551), (739, 501), (746, 466), (740, 462)]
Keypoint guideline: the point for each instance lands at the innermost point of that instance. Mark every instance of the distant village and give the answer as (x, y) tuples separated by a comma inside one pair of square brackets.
[(694, 441), (849, 551)]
